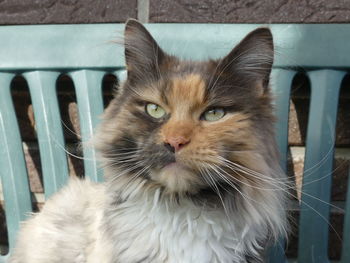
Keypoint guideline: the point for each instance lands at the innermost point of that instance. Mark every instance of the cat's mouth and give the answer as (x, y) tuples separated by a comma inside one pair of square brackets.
[(176, 177), (174, 167)]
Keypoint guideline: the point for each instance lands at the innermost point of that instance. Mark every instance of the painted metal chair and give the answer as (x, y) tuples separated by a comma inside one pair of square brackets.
[(85, 52)]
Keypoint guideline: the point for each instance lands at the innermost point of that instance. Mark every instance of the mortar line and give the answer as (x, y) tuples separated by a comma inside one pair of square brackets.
[(143, 11)]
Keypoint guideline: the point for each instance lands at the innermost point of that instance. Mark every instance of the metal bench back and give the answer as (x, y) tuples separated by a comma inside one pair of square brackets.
[(87, 53)]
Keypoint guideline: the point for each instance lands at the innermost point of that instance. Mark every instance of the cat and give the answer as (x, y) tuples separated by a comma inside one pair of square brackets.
[(191, 166)]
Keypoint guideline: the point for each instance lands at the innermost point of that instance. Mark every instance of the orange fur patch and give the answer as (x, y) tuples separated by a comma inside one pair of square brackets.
[(186, 99), (186, 102), (187, 94)]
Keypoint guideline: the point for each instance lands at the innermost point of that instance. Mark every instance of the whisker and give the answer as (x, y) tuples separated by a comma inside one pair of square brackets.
[(70, 130), (303, 202), (216, 189), (277, 183)]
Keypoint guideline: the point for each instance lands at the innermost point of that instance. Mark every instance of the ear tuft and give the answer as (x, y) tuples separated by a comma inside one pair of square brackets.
[(142, 53), (252, 58)]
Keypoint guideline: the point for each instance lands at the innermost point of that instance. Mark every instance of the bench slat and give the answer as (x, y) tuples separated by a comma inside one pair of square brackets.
[(345, 257), (88, 87), (93, 46), (121, 75), (317, 179), (42, 87), (281, 83), (13, 172)]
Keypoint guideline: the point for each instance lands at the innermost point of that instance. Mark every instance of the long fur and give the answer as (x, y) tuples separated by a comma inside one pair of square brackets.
[(221, 198)]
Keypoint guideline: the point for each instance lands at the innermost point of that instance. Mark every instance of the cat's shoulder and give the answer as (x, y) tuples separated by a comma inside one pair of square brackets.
[(68, 219), (77, 193), (75, 199)]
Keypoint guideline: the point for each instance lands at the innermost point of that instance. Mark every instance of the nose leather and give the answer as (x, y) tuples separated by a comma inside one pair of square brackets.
[(175, 143)]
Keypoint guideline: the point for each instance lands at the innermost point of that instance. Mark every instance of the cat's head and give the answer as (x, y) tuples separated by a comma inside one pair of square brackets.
[(186, 126)]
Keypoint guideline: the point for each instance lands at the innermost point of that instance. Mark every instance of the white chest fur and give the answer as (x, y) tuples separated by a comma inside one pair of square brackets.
[(151, 230), (81, 224)]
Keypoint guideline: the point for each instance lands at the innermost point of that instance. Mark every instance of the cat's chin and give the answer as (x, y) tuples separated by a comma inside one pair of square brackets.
[(177, 178)]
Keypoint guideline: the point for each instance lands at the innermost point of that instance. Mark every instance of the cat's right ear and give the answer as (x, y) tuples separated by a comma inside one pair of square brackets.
[(142, 53), (251, 60)]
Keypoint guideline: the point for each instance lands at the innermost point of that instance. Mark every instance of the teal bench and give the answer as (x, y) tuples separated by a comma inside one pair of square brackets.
[(87, 53)]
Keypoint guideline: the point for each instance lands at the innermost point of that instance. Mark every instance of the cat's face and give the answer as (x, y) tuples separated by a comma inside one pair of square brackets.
[(183, 125)]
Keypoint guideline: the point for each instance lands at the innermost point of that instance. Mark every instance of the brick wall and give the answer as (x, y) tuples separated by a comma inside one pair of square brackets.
[(250, 11), (189, 11), (66, 11)]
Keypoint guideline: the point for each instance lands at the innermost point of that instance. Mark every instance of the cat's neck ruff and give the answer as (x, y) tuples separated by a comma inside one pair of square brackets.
[(163, 229)]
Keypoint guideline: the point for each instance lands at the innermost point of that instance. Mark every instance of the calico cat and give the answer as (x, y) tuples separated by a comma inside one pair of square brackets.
[(191, 166)]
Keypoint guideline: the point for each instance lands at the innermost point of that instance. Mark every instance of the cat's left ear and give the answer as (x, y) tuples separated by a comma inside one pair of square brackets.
[(252, 59), (142, 53)]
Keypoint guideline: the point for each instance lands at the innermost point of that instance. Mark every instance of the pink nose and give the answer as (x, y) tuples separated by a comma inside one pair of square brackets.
[(176, 143)]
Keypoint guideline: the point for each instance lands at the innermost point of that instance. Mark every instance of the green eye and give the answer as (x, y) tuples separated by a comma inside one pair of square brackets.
[(214, 114), (155, 110)]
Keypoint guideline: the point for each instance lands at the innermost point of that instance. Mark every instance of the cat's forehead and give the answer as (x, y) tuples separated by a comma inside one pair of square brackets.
[(186, 89), (186, 82)]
